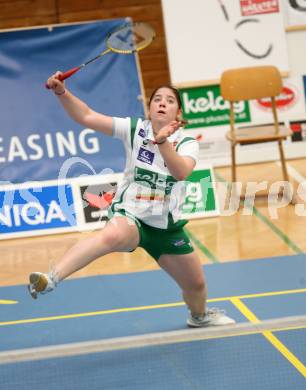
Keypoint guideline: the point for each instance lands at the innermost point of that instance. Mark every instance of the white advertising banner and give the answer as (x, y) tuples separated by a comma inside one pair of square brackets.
[(206, 37)]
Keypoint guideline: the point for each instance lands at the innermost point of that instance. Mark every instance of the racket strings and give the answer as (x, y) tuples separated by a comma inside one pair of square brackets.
[(127, 39), (130, 38)]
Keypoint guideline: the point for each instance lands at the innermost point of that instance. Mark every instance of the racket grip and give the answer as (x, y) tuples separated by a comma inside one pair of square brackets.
[(67, 74)]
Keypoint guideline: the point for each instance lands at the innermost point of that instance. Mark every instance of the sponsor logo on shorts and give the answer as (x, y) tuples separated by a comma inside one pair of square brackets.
[(178, 243), (145, 156)]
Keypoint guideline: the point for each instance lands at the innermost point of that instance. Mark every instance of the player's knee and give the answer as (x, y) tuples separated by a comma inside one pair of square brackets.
[(198, 286), (110, 239)]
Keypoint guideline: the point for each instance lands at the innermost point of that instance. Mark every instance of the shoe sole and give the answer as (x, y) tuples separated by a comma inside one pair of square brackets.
[(197, 326), (37, 284), (207, 324), (32, 292)]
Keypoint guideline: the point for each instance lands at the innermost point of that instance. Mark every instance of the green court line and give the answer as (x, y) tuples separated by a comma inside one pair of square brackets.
[(277, 231), (271, 225), (202, 247)]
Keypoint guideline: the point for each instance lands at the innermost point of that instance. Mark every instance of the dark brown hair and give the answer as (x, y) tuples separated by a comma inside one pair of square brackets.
[(174, 90)]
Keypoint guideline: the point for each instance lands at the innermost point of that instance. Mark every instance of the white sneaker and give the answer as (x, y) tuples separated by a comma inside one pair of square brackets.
[(212, 317), (41, 283)]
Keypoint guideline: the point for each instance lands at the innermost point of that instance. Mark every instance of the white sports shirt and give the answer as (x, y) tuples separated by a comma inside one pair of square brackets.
[(148, 191)]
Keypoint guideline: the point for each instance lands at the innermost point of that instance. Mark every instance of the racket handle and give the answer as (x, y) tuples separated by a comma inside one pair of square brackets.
[(67, 74)]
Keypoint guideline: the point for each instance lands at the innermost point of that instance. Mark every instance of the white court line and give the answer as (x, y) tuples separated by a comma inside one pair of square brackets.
[(152, 339), (294, 173)]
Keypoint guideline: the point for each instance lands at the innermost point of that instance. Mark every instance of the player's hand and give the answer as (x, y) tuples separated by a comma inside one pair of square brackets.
[(55, 84), (166, 131)]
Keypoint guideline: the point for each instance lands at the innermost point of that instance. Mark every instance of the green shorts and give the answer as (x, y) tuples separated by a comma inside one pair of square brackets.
[(159, 242)]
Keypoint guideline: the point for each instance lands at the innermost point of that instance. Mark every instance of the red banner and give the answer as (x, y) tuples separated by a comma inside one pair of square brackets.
[(255, 7)]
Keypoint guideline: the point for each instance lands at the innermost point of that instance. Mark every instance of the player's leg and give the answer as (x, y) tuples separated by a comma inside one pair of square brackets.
[(187, 271), (119, 235)]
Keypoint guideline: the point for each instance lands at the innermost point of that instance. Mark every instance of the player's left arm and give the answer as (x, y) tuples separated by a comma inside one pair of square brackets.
[(179, 165)]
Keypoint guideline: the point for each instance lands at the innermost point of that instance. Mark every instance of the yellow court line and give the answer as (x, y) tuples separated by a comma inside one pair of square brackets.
[(140, 308), (271, 337), (90, 314), (7, 302), (260, 295)]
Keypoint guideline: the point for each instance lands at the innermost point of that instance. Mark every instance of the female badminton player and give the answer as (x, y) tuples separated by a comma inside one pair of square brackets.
[(144, 211)]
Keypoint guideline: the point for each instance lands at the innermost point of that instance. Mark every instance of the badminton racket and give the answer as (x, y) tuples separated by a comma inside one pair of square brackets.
[(126, 39)]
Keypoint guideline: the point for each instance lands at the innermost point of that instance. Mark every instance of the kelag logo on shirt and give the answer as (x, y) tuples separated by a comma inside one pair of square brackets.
[(145, 156), (154, 180)]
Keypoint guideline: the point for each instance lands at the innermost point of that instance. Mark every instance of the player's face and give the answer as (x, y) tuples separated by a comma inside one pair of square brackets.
[(164, 107)]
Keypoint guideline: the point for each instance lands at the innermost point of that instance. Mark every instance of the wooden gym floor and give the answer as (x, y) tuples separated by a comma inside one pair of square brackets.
[(267, 230)]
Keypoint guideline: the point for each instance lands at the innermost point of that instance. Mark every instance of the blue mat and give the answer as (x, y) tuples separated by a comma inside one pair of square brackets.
[(100, 293)]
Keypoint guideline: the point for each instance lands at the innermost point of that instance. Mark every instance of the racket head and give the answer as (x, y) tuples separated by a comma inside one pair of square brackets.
[(130, 38)]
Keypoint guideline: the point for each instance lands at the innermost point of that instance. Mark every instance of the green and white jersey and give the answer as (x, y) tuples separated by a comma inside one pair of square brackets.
[(148, 191)]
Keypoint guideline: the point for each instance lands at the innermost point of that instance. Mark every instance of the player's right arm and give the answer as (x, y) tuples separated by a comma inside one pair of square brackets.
[(79, 110)]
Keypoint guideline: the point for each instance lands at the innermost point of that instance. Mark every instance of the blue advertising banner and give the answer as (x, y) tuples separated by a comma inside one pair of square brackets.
[(36, 135), (39, 208)]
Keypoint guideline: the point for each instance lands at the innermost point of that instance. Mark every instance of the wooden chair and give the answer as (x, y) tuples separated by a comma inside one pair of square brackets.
[(251, 83)]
